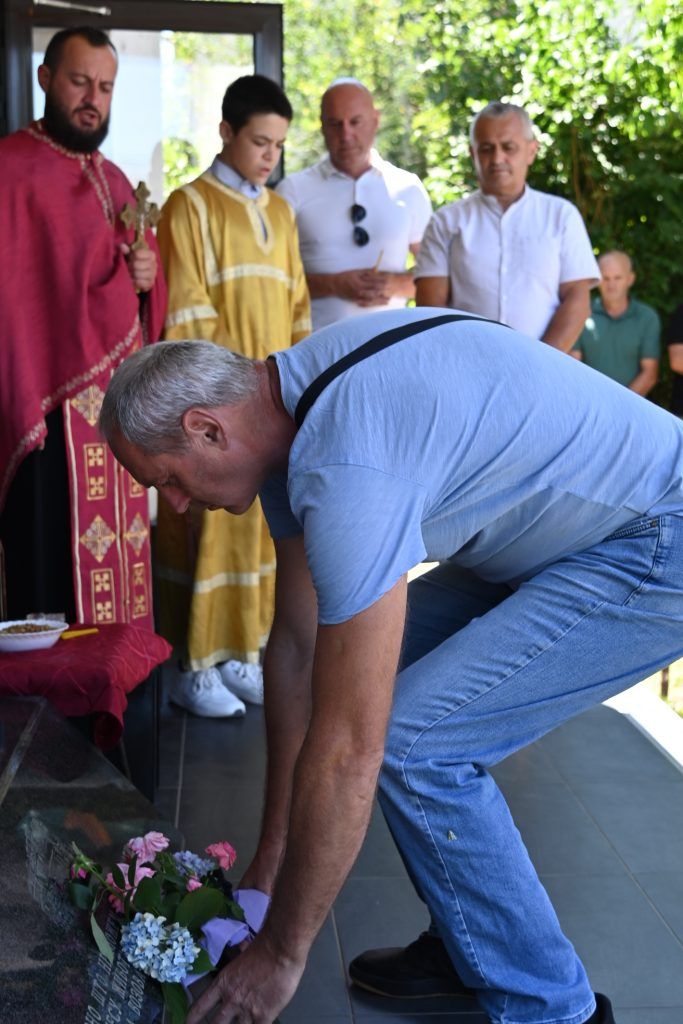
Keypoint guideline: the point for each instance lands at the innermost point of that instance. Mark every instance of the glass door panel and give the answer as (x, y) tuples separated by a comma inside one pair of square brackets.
[(167, 101)]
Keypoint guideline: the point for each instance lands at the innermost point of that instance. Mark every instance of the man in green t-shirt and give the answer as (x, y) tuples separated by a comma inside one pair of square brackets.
[(621, 336)]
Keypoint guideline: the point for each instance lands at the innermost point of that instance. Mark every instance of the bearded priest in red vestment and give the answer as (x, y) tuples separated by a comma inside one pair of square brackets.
[(76, 299)]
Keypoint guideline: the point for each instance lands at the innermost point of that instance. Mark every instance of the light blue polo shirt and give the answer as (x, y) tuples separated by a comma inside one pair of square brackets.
[(467, 441)]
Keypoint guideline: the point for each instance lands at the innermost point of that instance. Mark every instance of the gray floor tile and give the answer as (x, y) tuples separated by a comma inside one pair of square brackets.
[(233, 813), (559, 834), (220, 752), (373, 912), (170, 750), (452, 1017), (588, 798), (378, 855), (322, 993), (314, 1018), (603, 744), (377, 912), (646, 1015), (642, 818), (665, 889), (628, 951), (526, 767), (165, 801), (367, 1007)]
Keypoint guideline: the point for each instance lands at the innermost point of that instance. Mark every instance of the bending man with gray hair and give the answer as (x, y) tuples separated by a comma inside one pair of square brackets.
[(375, 444), (507, 251)]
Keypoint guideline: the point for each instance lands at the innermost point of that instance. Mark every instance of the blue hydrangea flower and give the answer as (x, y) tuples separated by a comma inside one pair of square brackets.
[(191, 864), (165, 953)]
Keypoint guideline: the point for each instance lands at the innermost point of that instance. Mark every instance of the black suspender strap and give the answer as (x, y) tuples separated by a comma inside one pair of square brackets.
[(369, 348)]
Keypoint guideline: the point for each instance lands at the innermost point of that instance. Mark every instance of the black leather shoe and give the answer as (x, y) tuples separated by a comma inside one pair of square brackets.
[(603, 1011), (419, 970)]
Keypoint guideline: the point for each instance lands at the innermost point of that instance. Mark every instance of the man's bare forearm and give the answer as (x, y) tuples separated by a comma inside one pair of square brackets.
[(321, 286), (336, 773), (334, 783), (287, 714), (287, 669), (644, 381), (569, 318), (365, 286), (331, 807)]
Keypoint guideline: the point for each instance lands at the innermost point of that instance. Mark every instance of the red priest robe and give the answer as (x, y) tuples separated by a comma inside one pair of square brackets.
[(69, 316)]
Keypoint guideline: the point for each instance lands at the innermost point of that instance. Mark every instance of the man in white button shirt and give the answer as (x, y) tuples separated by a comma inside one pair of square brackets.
[(507, 251), (358, 216)]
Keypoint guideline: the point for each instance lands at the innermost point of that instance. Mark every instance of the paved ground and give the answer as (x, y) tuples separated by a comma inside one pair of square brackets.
[(601, 811)]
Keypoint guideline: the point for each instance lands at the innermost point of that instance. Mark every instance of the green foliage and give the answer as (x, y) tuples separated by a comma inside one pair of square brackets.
[(81, 895), (200, 906), (181, 162), (101, 940), (202, 963), (149, 899), (602, 82), (175, 1001)]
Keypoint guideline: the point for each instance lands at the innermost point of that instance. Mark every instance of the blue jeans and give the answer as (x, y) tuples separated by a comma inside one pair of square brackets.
[(488, 669)]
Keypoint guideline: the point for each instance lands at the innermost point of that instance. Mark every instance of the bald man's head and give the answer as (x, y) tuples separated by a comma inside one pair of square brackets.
[(616, 278), (349, 125)]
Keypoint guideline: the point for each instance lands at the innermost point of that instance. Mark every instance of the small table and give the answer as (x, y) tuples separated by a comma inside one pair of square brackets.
[(90, 679)]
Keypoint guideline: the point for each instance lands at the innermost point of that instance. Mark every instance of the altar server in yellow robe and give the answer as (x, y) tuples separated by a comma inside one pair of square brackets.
[(230, 251)]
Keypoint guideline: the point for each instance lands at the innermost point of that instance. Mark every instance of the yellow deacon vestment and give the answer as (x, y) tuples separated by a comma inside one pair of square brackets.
[(235, 278)]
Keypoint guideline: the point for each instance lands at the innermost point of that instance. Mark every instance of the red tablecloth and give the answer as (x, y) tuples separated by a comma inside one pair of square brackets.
[(87, 675)]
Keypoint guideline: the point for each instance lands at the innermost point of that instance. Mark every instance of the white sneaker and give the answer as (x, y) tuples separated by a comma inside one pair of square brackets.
[(244, 680), (203, 694)]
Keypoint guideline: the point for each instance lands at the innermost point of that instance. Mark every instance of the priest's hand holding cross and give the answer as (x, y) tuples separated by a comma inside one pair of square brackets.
[(142, 262)]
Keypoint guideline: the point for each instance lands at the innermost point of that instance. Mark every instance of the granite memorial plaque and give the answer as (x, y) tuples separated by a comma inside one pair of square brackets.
[(55, 789)]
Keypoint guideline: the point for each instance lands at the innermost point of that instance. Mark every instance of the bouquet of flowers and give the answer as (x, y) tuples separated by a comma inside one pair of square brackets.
[(179, 911)]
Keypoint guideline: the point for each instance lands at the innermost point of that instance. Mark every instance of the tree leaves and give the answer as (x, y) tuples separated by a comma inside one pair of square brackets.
[(602, 82)]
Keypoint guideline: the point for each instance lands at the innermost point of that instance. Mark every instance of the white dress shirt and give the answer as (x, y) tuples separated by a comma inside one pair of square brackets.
[(397, 212), (508, 265)]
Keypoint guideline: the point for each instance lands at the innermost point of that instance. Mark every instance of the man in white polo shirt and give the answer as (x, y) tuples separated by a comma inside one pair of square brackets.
[(358, 216), (507, 251)]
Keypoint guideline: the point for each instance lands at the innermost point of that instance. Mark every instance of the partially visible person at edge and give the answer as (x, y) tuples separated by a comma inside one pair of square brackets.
[(359, 216), (75, 300), (231, 255), (375, 444), (622, 335), (674, 340), (507, 251)]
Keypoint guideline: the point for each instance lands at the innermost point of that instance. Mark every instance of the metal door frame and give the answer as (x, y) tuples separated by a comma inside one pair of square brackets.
[(262, 21)]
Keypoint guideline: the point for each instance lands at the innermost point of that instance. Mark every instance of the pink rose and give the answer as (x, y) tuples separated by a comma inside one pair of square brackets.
[(140, 873), (193, 883), (146, 847), (224, 854)]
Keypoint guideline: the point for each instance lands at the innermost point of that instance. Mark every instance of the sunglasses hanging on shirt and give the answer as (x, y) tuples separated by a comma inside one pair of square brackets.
[(360, 235)]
